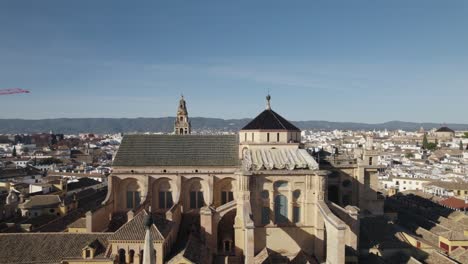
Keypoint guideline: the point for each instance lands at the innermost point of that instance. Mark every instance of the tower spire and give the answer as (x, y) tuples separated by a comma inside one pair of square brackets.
[(182, 124), (268, 98)]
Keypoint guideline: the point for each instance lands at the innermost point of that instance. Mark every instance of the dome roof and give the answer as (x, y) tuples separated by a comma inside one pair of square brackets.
[(445, 129), (270, 120)]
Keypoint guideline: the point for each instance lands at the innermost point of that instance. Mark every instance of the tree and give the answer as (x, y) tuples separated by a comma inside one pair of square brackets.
[(14, 152), (25, 150), (465, 135), (425, 142), (409, 155), (431, 146)]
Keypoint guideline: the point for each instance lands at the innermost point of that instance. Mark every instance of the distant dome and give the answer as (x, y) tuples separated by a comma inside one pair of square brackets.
[(445, 129)]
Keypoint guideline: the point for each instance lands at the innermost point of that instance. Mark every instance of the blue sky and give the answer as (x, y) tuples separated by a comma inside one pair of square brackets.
[(361, 61)]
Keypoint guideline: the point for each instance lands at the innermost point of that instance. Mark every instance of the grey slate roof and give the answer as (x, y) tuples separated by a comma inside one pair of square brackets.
[(178, 150), (47, 247), (445, 129), (270, 120)]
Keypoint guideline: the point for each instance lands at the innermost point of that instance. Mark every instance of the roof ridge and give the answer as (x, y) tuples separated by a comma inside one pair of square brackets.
[(274, 115), (57, 233)]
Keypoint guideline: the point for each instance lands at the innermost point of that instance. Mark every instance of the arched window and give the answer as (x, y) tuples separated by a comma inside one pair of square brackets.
[(133, 196), (141, 256), (297, 206), (296, 214), (196, 196), (296, 195), (333, 194), (121, 256), (277, 137), (226, 193), (281, 209), (131, 253), (181, 131), (181, 118), (165, 196), (268, 137)]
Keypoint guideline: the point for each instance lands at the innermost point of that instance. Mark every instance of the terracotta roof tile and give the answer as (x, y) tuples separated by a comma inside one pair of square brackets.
[(135, 229)]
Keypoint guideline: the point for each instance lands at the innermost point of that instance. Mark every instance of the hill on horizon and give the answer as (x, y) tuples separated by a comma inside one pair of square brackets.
[(166, 124)]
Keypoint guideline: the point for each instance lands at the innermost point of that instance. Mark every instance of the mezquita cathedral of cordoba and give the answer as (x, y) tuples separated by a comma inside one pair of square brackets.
[(258, 196)]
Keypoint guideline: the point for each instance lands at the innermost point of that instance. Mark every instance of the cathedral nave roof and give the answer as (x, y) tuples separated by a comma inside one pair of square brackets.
[(178, 150)]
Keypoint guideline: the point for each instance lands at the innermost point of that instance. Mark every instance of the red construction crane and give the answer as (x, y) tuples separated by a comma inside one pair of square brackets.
[(13, 91)]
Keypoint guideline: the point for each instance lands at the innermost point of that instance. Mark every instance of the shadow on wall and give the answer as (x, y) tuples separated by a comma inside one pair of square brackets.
[(306, 242)]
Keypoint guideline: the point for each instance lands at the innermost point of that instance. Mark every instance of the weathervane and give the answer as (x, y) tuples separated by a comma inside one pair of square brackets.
[(268, 101)]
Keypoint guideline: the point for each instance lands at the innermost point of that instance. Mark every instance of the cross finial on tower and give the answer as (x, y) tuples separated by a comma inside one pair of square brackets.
[(268, 107)]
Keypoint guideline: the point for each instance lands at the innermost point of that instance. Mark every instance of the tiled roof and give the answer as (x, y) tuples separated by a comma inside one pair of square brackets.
[(453, 202), (178, 150), (41, 201), (436, 257), (290, 159), (135, 229), (6, 173), (80, 223), (81, 183), (450, 185), (41, 248), (270, 120)]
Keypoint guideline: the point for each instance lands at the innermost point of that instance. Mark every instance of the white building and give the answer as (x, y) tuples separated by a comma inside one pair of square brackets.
[(403, 184)]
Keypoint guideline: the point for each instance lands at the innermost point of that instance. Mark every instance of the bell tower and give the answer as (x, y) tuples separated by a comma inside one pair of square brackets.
[(182, 124)]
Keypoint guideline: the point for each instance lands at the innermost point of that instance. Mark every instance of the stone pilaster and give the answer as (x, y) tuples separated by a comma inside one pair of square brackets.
[(243, 224)]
